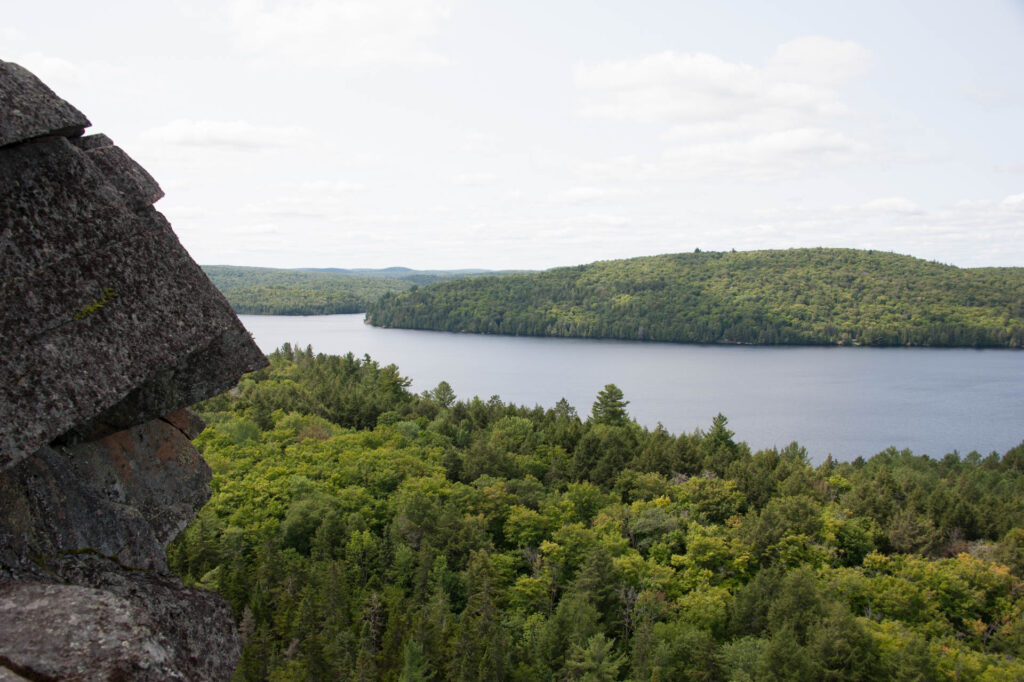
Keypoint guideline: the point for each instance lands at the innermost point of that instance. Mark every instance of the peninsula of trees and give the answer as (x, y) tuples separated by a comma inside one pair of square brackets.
[(363, 532), (799, 296)]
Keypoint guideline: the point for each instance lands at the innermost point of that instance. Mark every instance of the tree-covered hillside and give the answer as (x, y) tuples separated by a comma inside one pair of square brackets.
[(270, 291), (329, 291), (797, 296), (365, 533)]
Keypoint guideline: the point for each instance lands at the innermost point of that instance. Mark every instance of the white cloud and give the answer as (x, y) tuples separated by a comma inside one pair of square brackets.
[(818, 60), (967, 232), (763, 155), (329, 201), (513, 195), (59, 74), (257, 229), (972, 203), (665, 87), (986, 97), (341, 33), (474, 179), (477, 142), (590, 194), (891, 205), (240, 135), (325, 187), (701, 89), (728, 117)]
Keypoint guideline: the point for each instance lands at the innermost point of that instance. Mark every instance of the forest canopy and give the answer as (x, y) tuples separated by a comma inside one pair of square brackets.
[(796, 296), (361, 531), (331, 291), (270, 291)]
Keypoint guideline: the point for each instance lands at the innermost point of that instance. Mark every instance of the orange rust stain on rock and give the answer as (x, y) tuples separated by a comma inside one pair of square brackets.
[(186, 421), (121, 447), (173, 445), (167, 452)]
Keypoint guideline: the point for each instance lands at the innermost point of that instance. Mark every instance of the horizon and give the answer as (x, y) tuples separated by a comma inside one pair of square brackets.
[(469, 268), (441, 132)]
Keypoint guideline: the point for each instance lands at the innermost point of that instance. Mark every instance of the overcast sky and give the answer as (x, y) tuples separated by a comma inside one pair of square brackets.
[(522, 134)]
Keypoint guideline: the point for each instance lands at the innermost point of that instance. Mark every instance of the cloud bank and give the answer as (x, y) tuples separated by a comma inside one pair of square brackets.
[(719, 116), (339, 33)]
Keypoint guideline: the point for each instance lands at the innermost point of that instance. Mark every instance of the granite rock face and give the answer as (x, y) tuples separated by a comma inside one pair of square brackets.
[(101, 301), (30, 109), (149, 629), (130, 493), (110, 330)]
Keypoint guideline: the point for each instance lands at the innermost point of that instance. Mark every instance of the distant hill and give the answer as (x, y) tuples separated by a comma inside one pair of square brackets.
[(312, 291), (797, 296), (415, 276)]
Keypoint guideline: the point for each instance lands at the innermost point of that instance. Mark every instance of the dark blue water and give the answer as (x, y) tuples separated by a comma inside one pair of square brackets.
[(843, 401)]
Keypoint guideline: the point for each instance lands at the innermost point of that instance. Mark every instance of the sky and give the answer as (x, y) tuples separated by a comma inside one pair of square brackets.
[(439, 134)]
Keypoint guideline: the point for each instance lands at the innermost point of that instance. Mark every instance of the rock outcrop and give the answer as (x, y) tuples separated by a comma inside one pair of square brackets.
[(110, 330)]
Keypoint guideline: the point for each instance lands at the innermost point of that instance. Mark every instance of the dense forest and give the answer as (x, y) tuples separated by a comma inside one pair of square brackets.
[(269, 291), (363, 532), (796, 296), (330, 291)]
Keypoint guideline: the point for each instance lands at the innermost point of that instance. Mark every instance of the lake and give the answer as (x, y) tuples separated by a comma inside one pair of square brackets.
[(846, 401)]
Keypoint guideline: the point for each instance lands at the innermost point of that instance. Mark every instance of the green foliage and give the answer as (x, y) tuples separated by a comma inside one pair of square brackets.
[(273, 291), (610, 408), (270, 291), (594, 662), (360, 531), (797, 296)]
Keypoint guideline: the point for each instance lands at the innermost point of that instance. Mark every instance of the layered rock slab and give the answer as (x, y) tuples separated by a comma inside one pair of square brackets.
[(114, 633), (109, 330), (30, 109), (123, 498), (99, 299)]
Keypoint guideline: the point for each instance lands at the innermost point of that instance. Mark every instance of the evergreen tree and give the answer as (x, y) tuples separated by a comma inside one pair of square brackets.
[(610, 408), (594, 662), (366, 553)]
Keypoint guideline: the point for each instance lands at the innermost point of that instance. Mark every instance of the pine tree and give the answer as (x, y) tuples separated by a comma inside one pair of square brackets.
[(594, 662), (610, 408)]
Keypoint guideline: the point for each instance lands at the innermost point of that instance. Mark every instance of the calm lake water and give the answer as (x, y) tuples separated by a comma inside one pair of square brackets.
[(843, 401)]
